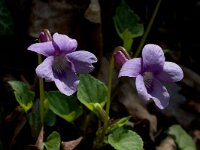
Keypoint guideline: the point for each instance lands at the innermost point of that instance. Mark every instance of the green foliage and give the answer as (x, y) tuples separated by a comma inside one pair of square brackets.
[(50, 117), (127, 25), (182, 138), (6, 22), (92, 92), (123, 139), (53, 141), (23, 94), (64, 106), (34, 119), (119, 123)]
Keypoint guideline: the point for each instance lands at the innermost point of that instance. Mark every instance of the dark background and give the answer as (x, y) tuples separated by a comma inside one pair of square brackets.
[(176, 27)]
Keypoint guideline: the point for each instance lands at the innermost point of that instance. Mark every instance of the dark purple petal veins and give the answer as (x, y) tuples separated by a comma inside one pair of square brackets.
[(148, 78), (60, 64)]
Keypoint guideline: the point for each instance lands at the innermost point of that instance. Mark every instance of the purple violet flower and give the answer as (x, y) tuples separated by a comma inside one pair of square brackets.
[(150, 71), (63, 63)]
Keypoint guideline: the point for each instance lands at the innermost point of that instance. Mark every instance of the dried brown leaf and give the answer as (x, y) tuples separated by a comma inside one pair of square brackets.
[(70, 145), (93, 12), (40, 138), (167, 144)]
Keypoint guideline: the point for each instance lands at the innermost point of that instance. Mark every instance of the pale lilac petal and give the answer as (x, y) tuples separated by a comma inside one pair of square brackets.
[(131, 68), (82, 61), (153, 58), (44, 70), (141, 89), (67, 84), (159, 94), (64, 43), (45, 48), (171, 73)]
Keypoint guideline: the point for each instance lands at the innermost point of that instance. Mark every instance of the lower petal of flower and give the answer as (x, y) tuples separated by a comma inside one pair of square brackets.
[(67, 84), (159, 94)]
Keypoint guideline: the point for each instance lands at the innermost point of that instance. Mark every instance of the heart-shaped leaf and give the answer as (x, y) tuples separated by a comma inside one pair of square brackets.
[(91, 92), (182, 138), (123, 139), (23, 94), (64, 106), (127, 24), (53, 141)]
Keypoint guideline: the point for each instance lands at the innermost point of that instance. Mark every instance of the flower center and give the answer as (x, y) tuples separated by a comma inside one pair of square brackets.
[(60, 64), (148, 78)]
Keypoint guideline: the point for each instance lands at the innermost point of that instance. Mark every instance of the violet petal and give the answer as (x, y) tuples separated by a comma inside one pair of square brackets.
[(141, 89), (67, 84), (44, 70), (45, 48), (131, 68), (153, 58), (64, 43), (159, 94), (82, 61), (171, 73)]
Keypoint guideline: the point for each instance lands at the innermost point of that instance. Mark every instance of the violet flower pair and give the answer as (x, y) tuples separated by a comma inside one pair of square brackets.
[(63, 64)]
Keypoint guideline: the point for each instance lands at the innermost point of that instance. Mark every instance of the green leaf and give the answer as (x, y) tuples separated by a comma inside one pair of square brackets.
[(53, 141), (91, 91), (123, 139), (117, 124), (50, 117), (183, 140), (64, 106), (23, 94), (127, 24), (34, 118), (6, 21)]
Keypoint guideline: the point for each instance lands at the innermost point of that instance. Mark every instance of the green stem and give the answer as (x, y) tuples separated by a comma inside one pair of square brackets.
[(41, 87), (111, 66), (147, 30)]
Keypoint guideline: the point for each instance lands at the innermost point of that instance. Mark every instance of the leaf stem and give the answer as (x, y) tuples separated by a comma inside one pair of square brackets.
[(127, 44), (148, 29), (41, 88)]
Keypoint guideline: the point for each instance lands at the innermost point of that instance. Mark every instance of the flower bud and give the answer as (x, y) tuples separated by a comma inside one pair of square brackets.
[(45, 36), (120, 58)]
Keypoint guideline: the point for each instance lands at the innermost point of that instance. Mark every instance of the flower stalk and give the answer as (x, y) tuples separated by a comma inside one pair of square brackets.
[(111, 66), (41, 88)]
